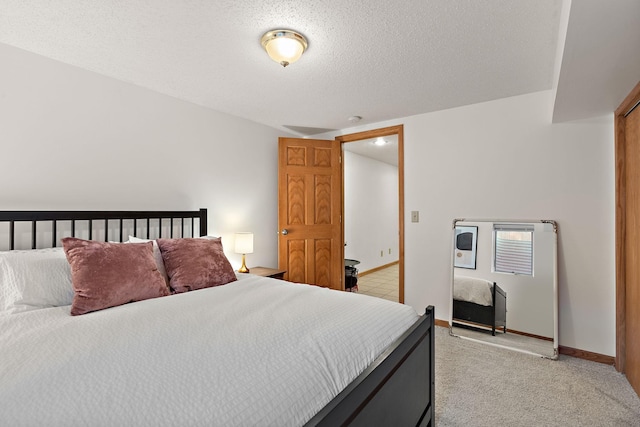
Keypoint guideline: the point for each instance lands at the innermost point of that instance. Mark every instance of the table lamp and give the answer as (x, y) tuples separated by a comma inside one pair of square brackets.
[(244, 245)]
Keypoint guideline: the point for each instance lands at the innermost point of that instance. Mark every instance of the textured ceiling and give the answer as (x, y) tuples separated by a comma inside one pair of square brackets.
[(378, 59)]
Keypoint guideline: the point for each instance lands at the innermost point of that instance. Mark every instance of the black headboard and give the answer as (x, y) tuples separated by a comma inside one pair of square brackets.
[(166, 220)]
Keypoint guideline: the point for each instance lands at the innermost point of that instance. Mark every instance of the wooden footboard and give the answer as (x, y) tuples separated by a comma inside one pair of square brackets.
[(397, 389)]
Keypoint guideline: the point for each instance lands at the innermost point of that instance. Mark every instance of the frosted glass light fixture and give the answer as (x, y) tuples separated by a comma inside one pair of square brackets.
[(284, 46), (244, 245)]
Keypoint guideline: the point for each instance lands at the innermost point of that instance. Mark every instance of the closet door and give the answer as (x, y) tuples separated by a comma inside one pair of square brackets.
[(627, 125), (632, 250)]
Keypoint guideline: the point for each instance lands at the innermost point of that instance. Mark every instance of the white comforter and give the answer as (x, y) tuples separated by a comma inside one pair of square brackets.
[(257, 352), (474, 290)]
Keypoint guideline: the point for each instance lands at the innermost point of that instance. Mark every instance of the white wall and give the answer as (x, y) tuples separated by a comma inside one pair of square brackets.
[(72, 139), (504, 159), (370, 211)]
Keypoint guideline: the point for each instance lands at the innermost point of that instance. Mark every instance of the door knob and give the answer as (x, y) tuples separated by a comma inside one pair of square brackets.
[(284, 232)]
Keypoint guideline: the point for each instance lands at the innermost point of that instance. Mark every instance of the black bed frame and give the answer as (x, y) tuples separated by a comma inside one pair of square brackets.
[(398, 388), (104, 219), (494, 316)]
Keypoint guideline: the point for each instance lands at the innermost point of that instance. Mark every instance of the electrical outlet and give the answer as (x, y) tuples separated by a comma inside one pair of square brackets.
[(415, 216), (381, 253), (389, 251)]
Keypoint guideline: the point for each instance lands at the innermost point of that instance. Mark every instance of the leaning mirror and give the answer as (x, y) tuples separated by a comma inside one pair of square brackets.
[(504, 284)]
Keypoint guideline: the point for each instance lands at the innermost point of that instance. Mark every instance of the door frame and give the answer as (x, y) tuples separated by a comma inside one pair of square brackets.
[(375, 133), (621, 222)]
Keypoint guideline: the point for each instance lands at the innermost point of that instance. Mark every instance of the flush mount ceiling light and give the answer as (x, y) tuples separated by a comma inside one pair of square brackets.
[(284, 46)]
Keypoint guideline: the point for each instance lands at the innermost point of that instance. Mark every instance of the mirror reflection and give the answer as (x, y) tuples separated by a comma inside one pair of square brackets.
[(504, 284)]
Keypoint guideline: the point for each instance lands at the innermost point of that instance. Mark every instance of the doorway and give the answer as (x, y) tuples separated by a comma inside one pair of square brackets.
[(397, 132)]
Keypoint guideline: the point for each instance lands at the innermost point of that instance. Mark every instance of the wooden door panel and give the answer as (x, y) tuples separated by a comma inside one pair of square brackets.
[(310, 261), (323, 262), (296, 189), (632, 250), (322, 157), (322, 200), (296, 156), (296, 267), (310, 209)]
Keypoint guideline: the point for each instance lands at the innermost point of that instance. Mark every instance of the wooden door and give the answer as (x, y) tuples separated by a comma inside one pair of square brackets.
[(309, 212), (627, 126), (632, 250)]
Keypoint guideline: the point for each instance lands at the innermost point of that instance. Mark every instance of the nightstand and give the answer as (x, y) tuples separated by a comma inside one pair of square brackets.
[(268, 272)]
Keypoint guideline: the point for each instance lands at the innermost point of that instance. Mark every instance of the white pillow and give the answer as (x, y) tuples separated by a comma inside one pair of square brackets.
[(157, 255), (34, 279)]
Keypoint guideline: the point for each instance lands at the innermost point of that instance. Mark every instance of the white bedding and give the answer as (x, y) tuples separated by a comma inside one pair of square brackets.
[(474, 290), (258, 351)]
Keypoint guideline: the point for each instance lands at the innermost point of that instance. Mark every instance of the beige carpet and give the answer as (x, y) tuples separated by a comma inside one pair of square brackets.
[(481, 385)]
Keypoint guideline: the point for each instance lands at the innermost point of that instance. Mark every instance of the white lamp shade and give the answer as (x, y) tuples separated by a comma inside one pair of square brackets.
[(244, 243), (284, 49)]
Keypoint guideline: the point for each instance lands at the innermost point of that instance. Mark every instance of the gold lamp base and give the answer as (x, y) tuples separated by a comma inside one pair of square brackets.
[(243, 268)]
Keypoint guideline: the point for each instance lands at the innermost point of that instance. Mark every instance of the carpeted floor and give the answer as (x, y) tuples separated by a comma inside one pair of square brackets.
[(481, 385), (532, 345)]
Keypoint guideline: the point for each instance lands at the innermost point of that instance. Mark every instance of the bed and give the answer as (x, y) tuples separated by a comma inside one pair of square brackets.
[(479, 302), (254, 351)]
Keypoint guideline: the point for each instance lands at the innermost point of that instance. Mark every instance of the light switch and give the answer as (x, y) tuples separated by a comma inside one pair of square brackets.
[(415, 216)]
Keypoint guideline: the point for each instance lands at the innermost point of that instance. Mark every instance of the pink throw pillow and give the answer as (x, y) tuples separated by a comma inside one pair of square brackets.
[(194, 263), (110, 274)]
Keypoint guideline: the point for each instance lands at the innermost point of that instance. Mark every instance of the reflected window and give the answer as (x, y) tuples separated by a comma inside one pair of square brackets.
[(513, 249)]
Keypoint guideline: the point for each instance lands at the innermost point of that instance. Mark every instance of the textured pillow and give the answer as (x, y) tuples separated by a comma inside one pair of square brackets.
[(34, 279), (110, 274), (194, 263), (157, 255)]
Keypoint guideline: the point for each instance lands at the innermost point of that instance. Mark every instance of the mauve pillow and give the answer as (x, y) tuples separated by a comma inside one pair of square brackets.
[(110, 274), (194, 263)]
